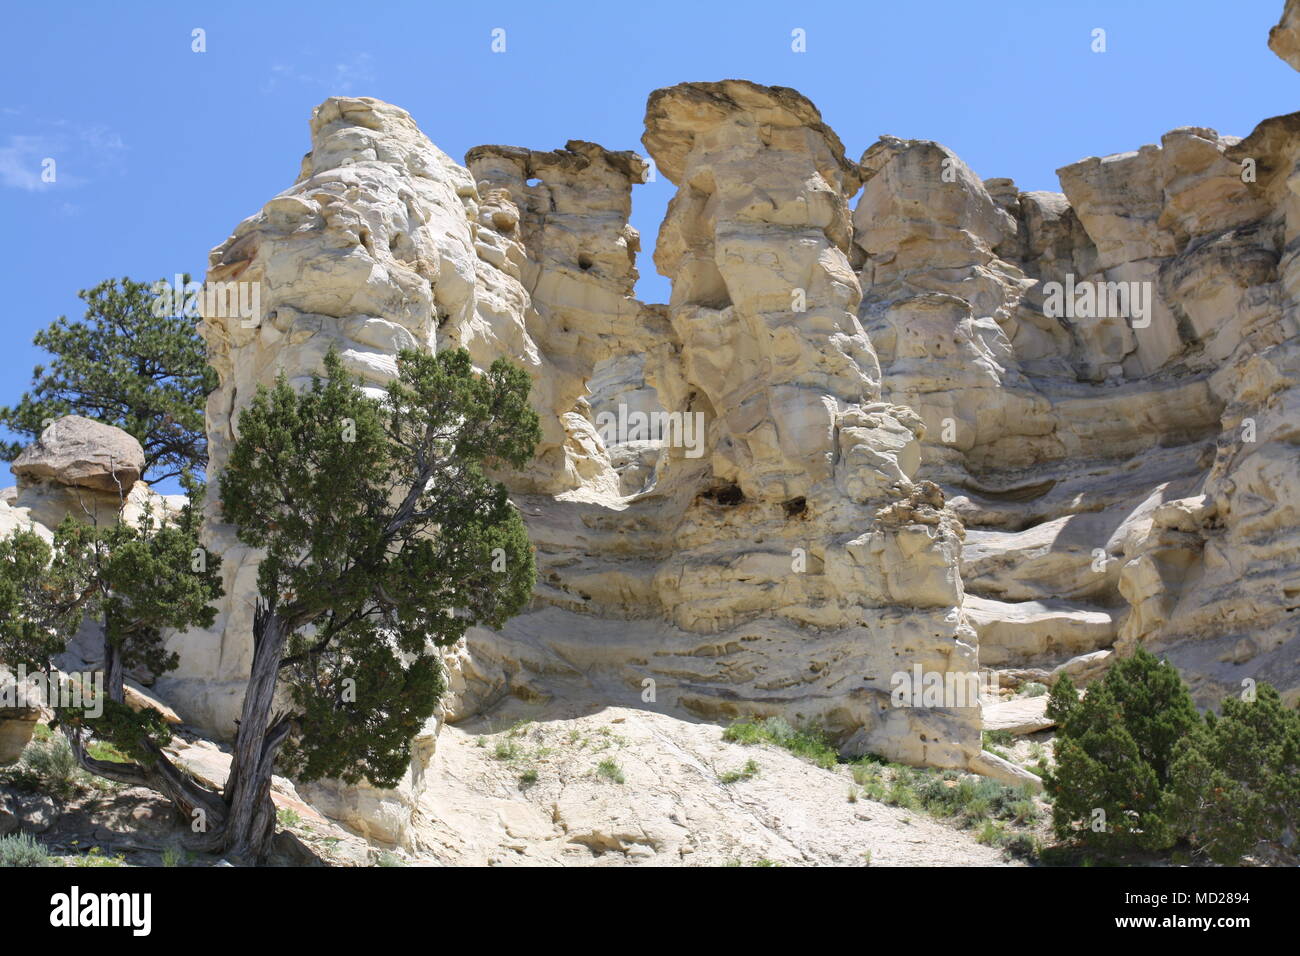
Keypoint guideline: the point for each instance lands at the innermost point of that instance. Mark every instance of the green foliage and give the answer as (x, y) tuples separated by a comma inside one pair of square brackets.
[(998, 738), (384, 538), (43, 591), (1236, 780), (1020, 846), (611, 771), (1114, 752), (990, 833), (1135, 748), (22, 850), (287, 817), (52, 767), (1063, 698), (747, 772), (507, 750), (94, 858), (174, 856), (974, 799), (870, 776), (155, 576), (123, 366), (136, 579), (809, 743)]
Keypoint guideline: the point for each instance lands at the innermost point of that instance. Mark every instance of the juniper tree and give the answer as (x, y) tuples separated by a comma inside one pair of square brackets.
[(125, 366), (1114, 754), (1236, 780), (384, 538), (135, 580)]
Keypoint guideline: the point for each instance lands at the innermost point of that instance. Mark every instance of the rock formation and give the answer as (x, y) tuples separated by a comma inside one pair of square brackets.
[(948, 429)]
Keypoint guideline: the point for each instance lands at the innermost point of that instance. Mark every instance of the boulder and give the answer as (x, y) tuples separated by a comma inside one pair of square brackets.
[(81, 453)]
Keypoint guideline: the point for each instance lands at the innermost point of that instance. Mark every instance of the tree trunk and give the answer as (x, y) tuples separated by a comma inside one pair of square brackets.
[(240, 821), (251, 821)]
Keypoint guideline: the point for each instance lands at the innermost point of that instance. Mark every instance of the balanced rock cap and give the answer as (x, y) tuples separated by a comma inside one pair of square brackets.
[(83, 453)]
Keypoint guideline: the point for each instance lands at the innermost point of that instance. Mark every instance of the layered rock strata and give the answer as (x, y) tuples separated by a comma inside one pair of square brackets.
[(947, 429)]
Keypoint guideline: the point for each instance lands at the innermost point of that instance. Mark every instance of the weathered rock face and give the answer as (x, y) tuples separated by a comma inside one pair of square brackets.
[(954, 429), (778, 560), (1122, 475), (1284, 39)]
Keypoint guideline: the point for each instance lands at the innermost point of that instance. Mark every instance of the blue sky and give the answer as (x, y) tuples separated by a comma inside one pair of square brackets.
[(161, 151)]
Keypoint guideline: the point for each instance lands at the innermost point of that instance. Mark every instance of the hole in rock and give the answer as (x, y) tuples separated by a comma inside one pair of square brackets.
[(795, 506), (585, 262), (728, 495)]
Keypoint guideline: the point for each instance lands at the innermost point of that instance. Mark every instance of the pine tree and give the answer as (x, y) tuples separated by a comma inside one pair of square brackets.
[(125, 366)]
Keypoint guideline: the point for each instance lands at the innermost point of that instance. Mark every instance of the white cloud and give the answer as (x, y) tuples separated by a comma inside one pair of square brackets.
[(344, 78), (20, 162), (84, 148)]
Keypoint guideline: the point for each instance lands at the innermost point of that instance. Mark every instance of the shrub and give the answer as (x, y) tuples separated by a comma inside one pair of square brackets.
[(748, 772), (53, 765), (1114, 753), (22, 850), (173, 856), (1000, 738), (1020, 846), (287, 817)]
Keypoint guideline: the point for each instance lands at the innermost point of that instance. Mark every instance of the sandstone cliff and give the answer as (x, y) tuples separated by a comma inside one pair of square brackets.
[(899, 419)]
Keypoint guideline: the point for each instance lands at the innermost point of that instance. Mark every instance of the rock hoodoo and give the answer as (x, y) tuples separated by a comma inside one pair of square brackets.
[(902, 420)]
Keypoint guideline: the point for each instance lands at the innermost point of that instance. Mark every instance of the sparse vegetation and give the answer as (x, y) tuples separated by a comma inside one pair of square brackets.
[(96, 858), (287, 817), (809, 743), (507, 749), (51, 767), (611, 771), (174, 856), (748, 772), (998, 738)]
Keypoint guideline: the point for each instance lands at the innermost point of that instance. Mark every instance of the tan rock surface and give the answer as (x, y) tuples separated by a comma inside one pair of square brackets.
[(82, 453), (908, 456), (672, 808)]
